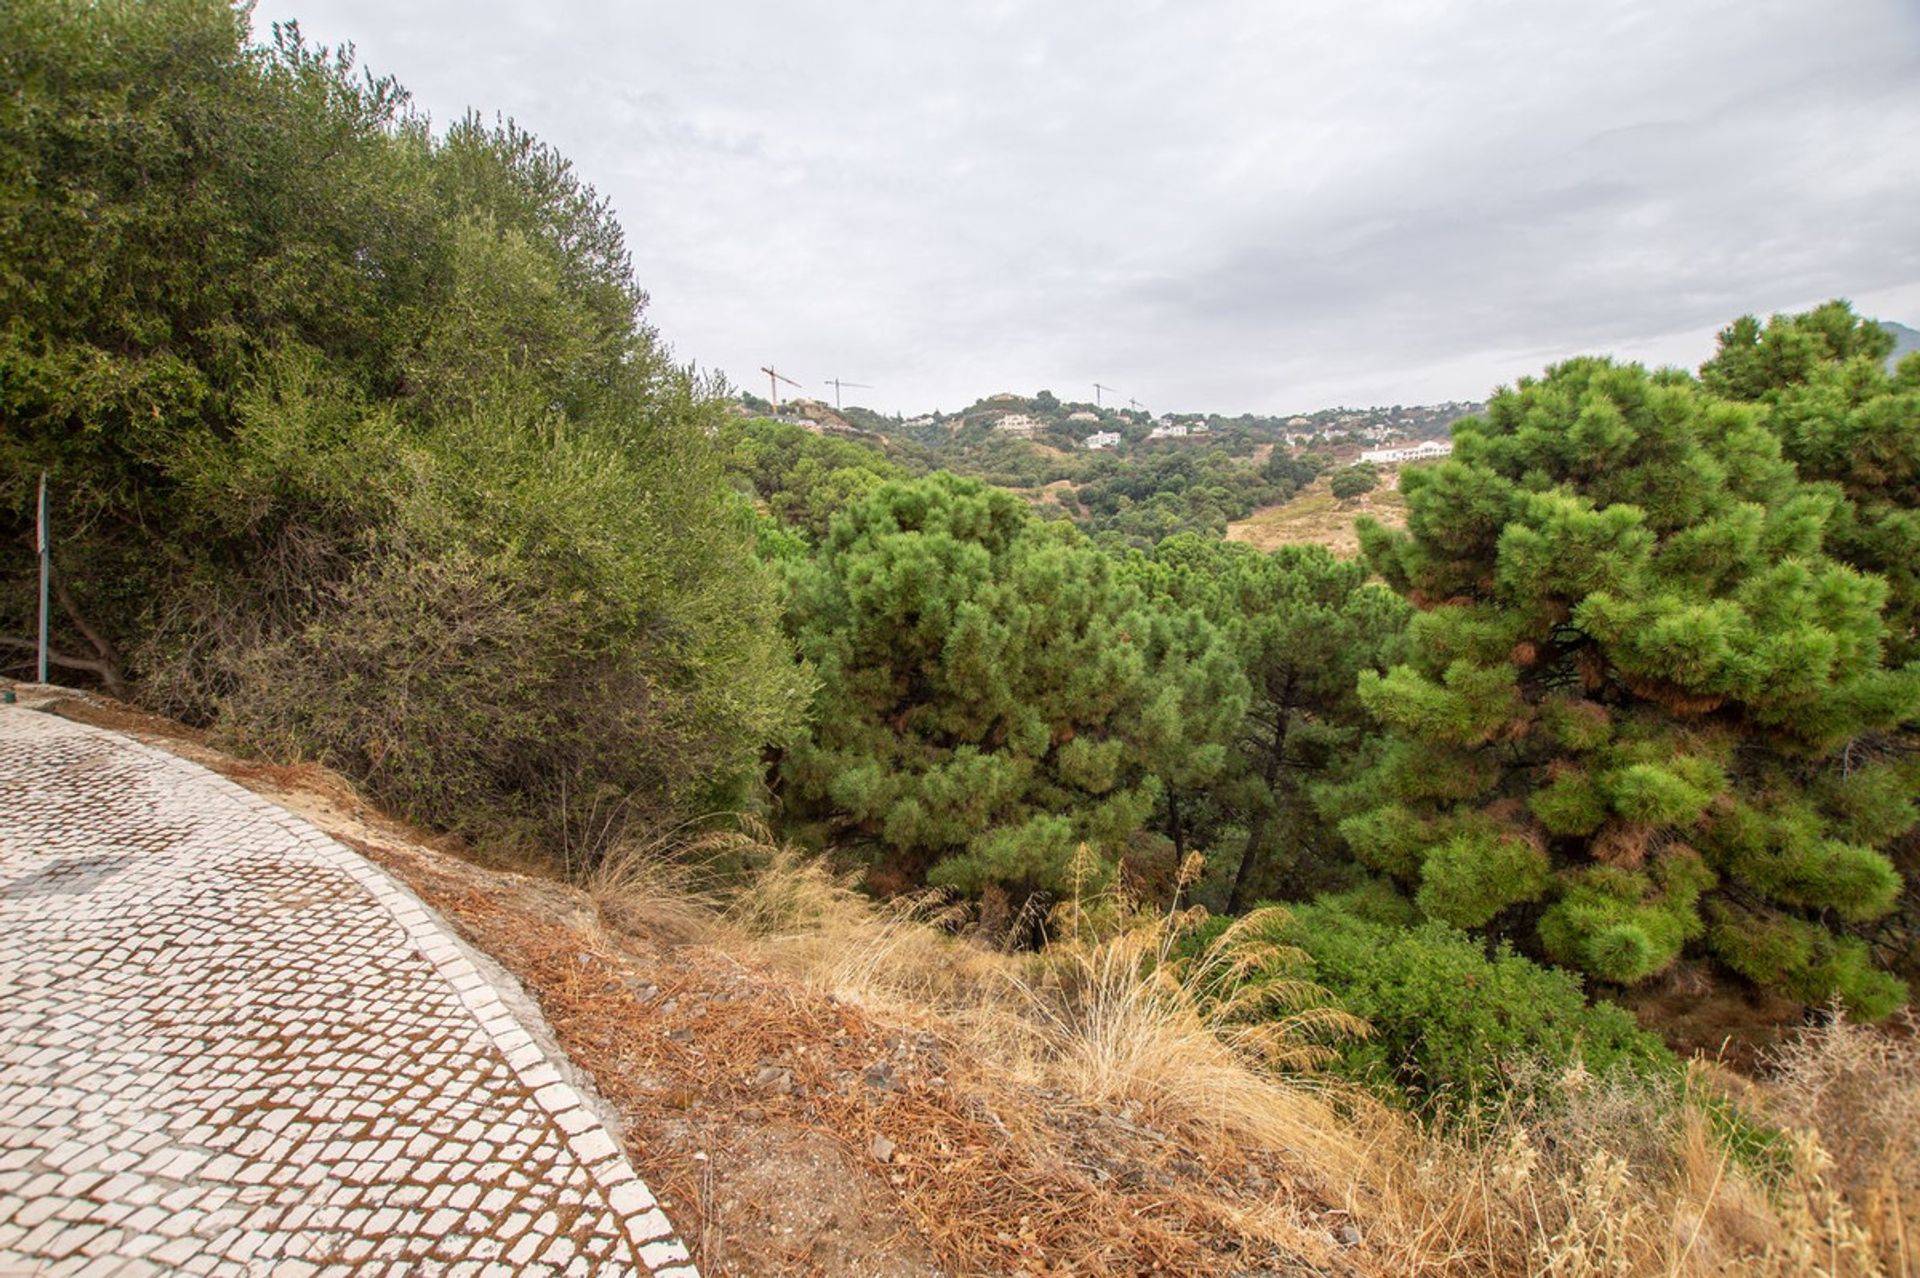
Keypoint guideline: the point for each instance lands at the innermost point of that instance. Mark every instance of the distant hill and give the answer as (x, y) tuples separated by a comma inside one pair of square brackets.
[(1905, 341), (1047, 423)]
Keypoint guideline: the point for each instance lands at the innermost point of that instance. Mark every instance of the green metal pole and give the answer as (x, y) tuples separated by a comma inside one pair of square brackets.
[(46, 572)]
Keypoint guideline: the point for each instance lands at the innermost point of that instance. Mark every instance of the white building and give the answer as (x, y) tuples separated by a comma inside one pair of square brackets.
[(1167, 432), (1425, 450), (1018, 424), (1103, 439), (1083, 416)]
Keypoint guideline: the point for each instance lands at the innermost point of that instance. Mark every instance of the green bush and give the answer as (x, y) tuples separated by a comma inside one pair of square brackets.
[(1455, 1024), (360, 449), (525, 647), (1354, 481)]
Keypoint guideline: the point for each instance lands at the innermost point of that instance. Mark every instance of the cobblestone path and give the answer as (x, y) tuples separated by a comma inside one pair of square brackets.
[(230, 1045)]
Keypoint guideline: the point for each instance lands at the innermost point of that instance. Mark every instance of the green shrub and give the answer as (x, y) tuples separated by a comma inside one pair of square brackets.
[(1452, 1022), (1354, 481), (360, 449)]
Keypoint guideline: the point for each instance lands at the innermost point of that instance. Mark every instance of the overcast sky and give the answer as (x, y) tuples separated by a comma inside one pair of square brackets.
[(1233, 205)]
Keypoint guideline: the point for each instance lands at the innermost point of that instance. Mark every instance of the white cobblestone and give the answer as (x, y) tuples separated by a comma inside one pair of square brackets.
[(229, 1044)]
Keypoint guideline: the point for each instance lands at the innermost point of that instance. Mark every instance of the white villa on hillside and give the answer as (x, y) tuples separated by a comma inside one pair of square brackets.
[(1018, 424), (1103, 439), (1167, 432), (1425, 450)]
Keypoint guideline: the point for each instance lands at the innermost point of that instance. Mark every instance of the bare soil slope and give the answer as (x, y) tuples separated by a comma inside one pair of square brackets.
[(1316, 518)]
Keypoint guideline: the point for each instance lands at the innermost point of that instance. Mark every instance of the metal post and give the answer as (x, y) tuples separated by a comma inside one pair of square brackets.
[(46, 573)]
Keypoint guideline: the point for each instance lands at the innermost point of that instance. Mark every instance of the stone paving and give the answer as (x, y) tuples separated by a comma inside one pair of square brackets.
[(230, 1045)]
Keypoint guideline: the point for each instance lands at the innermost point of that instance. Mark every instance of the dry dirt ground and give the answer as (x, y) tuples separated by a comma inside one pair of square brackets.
[(1315, 518), (788, 1133)]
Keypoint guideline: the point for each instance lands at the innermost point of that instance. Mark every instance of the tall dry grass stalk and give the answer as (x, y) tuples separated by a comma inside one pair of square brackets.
[(1857, 1089), (1118, 1015), (663, 883), (1126, 1008)]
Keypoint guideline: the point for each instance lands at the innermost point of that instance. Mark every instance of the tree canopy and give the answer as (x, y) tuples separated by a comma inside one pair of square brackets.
[(1644, 703), (1842, 417), (1354, 481), (360, 448), (993, 694), (1300, 625)]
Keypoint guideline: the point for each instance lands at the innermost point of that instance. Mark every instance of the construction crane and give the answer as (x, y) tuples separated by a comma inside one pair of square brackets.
[(836, 383), (1135, 405), (773, 385), (1097, 388)]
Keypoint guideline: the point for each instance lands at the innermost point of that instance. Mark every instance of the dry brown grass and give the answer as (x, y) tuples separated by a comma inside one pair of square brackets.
[(1317, 518), (1113, 1025), (1107, 1013), (1857, 1089)]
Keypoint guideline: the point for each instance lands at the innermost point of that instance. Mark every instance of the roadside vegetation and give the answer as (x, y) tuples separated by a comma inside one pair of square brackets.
[(365, 456), (361, 449), (1163, 1086)]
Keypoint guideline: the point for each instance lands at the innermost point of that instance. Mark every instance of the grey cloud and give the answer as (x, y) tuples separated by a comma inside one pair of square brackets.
[(1674, 223), (1232, 204)]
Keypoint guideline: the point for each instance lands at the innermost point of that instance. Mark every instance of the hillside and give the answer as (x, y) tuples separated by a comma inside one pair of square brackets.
[(1905, 340), (1148, 479), (1317, 518), (814, 1085), (1045, 420), (795, 1092), (951, 849)]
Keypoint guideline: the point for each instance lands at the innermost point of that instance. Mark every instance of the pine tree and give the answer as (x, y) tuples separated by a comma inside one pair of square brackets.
[(1643, 704), (992, 693), (1844, 417), (1301, 624)]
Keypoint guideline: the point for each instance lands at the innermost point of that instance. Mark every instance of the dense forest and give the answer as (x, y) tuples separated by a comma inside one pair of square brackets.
[(362, 451)]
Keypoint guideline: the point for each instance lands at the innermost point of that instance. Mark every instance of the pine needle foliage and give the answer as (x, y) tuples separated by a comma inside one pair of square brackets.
[(993, 694), (1647, 704), (1301, 624)]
